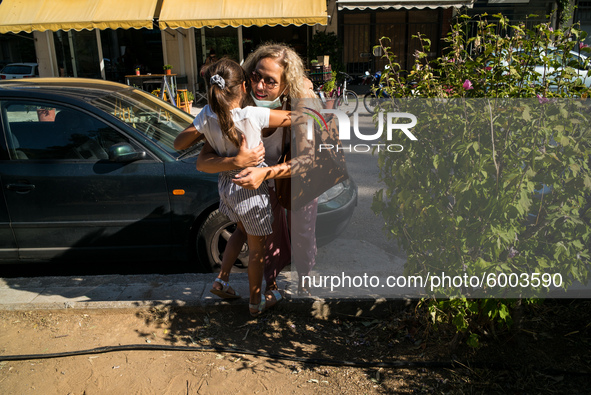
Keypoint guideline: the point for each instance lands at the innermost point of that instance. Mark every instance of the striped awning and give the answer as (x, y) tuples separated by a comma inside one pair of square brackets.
[(222, 13), (41, 15)]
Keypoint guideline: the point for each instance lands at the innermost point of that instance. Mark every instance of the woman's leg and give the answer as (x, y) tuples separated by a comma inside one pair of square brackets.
[(303, 240), (278, 248)]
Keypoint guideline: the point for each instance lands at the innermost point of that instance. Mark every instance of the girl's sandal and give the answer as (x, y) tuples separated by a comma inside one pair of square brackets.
[(259, 308), (223, 293)]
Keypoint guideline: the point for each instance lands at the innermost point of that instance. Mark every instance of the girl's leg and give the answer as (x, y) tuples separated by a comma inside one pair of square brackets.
[(233, 248), (256, 247)]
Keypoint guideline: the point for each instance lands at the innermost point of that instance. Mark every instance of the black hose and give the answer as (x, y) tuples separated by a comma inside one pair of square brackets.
[(159, 347), (314, 361)]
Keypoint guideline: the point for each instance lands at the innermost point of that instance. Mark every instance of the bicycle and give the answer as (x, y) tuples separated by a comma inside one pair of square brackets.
[(345, 100)]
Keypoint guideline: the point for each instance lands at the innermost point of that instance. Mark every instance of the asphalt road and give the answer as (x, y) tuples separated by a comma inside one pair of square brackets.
[(364, 244)]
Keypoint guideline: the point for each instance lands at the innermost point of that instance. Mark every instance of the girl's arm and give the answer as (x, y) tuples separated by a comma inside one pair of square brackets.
[(187, 138)]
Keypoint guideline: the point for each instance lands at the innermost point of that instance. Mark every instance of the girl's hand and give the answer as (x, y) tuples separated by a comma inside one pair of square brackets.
[(251, 177), (249, 157)]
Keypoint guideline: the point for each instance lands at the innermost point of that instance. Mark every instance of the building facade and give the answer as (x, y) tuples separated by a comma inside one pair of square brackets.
[(103, 39)]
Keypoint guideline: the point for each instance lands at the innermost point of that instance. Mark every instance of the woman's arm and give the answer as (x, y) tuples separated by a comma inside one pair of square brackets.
[(253, 177), (187, 138), (209, 161), (279, 118)]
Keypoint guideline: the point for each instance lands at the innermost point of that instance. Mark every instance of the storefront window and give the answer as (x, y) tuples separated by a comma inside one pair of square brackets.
[(15, 48), (126, 50), (77, 54), (294, 36)]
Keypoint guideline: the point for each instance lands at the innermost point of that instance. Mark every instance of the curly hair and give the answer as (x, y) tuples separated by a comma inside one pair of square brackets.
[(293, 66)]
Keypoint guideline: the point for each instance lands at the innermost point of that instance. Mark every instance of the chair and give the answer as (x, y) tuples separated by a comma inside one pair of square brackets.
[(182, 100)]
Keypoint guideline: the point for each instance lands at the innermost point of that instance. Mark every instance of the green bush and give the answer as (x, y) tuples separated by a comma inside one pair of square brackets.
[(499, 179)]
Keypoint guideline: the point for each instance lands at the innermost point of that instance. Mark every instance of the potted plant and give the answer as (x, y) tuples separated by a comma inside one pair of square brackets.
[(328, 89), (137, 71), (167, 69)]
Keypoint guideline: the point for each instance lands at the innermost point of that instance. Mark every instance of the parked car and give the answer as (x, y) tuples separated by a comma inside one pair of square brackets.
[(552, 65), (89, 173), (19, 70)]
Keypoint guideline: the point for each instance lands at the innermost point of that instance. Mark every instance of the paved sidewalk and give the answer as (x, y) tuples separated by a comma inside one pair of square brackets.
[(115, 292)]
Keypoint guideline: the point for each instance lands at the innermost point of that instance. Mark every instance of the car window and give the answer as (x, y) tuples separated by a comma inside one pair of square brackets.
[(147, 114), (36, 131), (17, 69), (571, 60)]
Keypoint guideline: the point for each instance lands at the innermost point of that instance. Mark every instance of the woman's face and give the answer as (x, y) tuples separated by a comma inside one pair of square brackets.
[(266, 80)]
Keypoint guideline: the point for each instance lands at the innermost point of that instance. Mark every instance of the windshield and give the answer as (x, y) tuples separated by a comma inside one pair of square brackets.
[(156, 119), (17, 69)]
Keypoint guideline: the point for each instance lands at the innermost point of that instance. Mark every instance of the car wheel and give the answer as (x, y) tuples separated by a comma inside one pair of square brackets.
[(212, 239)]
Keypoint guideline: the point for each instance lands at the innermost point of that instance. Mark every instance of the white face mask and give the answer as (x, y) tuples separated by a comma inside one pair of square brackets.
[(269, 103)]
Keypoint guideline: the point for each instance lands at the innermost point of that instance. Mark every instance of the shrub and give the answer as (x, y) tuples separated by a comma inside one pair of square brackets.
[(499, 179)]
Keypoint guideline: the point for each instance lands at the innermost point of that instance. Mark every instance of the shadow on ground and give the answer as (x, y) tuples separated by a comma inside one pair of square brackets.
[(546, 353)]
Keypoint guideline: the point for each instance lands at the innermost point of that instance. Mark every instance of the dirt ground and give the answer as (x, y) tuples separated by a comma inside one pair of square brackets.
[(550, 353)]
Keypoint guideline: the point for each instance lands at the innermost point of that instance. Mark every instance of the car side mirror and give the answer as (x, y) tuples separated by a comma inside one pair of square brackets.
[(124, 152)]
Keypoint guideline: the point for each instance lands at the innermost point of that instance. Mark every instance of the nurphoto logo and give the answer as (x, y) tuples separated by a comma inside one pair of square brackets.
[(345, 130)]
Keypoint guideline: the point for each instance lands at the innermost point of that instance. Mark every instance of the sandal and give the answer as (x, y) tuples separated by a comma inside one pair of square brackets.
[(277, 295), (223, 293), (260, 307)]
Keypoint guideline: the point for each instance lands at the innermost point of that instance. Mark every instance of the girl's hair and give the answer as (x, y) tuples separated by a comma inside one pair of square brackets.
[(230, 77), (293, 67)]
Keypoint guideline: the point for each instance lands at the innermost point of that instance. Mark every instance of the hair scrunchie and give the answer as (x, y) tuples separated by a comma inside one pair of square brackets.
[(218, 80)]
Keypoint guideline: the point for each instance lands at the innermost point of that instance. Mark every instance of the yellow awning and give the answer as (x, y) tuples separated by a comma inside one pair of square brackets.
[(185, 14), (40, 15)]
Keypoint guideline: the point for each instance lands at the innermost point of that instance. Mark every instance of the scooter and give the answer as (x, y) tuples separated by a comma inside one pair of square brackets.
[(377, 92)]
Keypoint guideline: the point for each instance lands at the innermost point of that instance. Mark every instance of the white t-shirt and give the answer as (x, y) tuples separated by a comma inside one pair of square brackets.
[(248, 120)]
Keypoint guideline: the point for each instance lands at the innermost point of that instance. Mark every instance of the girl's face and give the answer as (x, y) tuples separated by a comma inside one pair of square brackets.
[(266, 80)]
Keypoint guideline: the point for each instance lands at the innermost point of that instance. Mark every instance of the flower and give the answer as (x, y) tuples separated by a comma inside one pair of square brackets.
[(467, 85), (583, 45), (542, 99)]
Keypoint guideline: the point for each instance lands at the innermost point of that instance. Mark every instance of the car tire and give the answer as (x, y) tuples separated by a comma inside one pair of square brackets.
[(211, 240)]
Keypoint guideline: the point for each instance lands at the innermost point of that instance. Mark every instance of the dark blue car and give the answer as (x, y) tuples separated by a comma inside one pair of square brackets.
[(88, 172)]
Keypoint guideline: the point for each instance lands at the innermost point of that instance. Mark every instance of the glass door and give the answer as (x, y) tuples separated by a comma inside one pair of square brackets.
[(77, 54)]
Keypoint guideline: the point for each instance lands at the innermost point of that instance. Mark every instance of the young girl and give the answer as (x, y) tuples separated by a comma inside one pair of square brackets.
[(226, 126)]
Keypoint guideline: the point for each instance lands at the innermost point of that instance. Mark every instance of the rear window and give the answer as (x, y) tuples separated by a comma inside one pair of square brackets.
[(17, 70)]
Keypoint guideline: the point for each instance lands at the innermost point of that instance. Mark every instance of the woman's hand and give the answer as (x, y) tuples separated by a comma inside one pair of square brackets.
[(251, 177), (249, 157)]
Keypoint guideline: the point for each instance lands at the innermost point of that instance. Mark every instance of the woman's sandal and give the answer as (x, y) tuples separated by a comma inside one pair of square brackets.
[(223, 293), (277, 295)]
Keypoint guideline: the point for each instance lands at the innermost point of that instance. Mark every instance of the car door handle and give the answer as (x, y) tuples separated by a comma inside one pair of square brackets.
[(20, 188)]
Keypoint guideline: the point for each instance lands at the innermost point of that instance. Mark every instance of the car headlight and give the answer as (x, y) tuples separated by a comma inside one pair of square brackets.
[(333, 192)]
